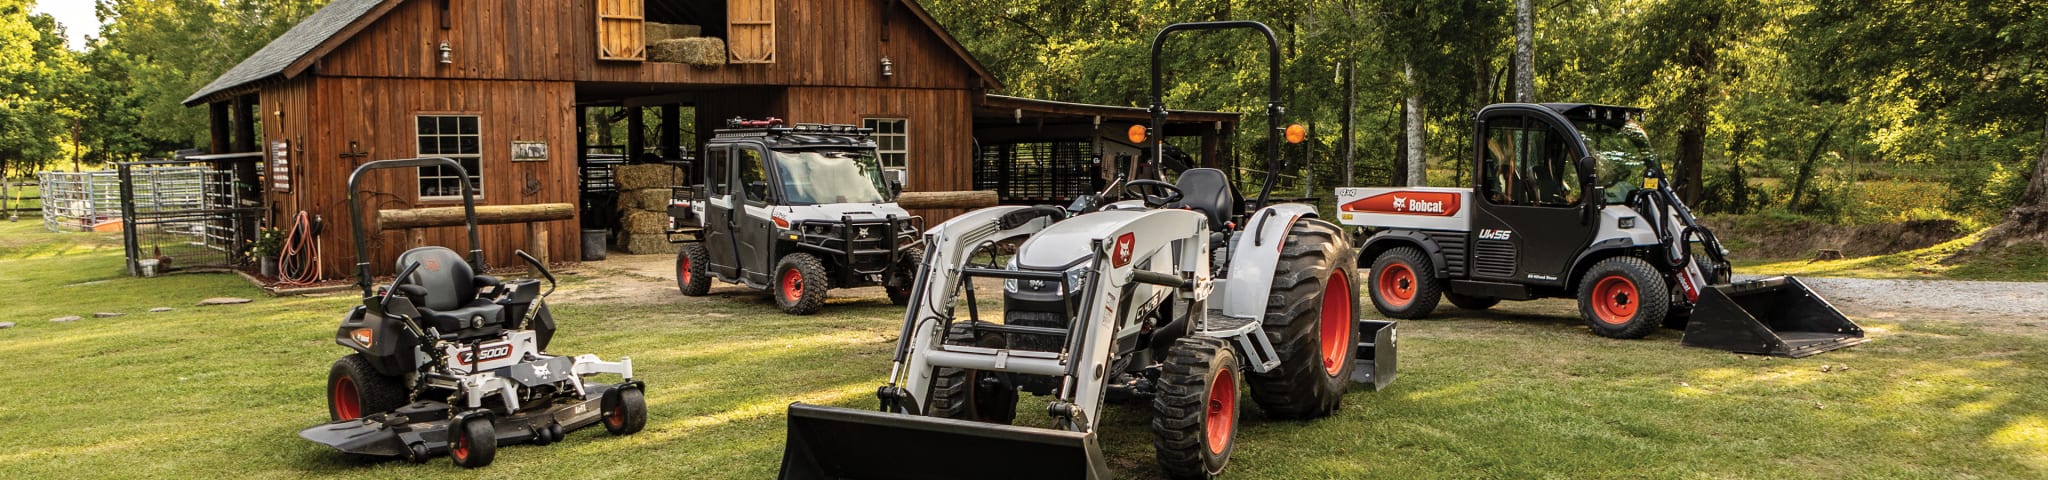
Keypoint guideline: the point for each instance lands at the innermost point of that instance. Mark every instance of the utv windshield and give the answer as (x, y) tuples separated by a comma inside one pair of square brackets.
[(815, 177), (1623, 153)]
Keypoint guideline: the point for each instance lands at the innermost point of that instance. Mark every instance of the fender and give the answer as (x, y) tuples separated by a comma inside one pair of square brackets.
[(1387, 240), (386, 343), (1602, 250), (1253, 252)]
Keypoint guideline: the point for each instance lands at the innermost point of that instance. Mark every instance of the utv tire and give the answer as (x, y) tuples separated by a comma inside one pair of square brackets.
[(799, 285), (1312, 318), (625, 411), (1404, 284), (959, 394), (1469, 302), (474, 443), (905, 278), (1623, 297), (355, 389), (1194, 414), (692, 276)]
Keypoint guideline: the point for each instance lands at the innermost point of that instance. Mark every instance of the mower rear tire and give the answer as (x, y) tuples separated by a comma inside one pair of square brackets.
[(1312, 318), (800, 284), (1623, 297), (625, 411), (355, 389), (905, 277), (1194, 414), (692, 274), (475, 442), (1469, 302), (959, 394), (1404, 284)]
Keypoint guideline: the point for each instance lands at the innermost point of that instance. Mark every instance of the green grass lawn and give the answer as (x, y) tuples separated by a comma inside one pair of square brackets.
[(220, 392)]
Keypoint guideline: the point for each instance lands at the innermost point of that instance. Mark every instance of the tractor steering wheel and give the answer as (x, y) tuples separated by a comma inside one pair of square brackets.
[(1155, 193)]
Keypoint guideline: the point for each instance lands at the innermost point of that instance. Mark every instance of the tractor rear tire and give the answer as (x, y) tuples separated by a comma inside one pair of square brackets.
[(905, 278), (1469, 302), (799, 284), (692, 276), (1404, 284), (474, 443), (958, 394), (1312, 318), (1623, 297), (355, 389), (1194, 414)]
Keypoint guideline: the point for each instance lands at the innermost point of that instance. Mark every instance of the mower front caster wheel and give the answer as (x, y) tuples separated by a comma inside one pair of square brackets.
[(475, 443), (625, 411)]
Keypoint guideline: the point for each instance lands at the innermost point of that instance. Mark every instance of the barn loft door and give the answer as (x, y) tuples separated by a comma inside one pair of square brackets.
[(750, 26), (621, 30)]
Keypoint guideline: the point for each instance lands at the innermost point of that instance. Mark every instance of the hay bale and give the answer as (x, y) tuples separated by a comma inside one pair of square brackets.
[(699, 51), (645, 176), (643, 244), (644, 222), (656, 32), (646, 200)]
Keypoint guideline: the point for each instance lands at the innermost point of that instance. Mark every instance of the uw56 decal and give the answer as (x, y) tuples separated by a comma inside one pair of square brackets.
[(1436, 204)]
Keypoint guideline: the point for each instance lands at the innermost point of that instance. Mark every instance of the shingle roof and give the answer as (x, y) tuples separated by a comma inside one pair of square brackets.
[(278, 56)]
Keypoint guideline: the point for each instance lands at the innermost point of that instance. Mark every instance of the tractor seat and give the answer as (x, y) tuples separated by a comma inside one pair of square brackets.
[(1208, 191), (451, 303)]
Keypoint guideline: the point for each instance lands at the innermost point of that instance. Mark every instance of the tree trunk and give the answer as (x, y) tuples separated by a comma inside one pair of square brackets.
[(1805, 174), (1350, 120), (1692, 143), (1417, 164), (2027, 222), (1525, 53)]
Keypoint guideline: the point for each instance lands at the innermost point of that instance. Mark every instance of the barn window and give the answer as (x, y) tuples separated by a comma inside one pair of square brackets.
[(456, 137), (892, 142), (750, 32)]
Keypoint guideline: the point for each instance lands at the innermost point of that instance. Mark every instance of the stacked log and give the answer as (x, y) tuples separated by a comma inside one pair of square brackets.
[(644, 192)]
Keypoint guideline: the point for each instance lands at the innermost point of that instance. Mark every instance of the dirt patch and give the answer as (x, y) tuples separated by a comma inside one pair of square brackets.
[(1765, 239)]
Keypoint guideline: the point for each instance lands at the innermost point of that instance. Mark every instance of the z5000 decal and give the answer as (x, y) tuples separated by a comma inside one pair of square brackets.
[(1438, 204), (483, 354)]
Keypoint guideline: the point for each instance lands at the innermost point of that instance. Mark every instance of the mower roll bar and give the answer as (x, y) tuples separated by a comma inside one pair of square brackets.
[(355, 212), (1274, 110)]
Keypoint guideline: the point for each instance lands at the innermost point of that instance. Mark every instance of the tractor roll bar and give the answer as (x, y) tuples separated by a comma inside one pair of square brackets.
[(355, 212), (1274, 110)]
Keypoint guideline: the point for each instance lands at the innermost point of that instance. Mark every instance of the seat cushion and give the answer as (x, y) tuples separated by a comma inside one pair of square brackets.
[(1207, 190), (459, 320), (447, 277)]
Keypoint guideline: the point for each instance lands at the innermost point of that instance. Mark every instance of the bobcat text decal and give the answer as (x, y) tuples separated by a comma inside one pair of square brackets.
[(1438, 204)]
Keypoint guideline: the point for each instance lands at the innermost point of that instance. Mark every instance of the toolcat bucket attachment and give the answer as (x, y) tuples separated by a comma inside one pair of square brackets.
[(1773, 316), (827, 443)]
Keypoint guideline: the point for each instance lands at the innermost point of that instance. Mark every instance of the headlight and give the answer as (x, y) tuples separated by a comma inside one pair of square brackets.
[(1075, 278)]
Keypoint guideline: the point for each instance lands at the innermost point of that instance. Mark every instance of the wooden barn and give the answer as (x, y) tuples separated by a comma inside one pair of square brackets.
[(508, 88)]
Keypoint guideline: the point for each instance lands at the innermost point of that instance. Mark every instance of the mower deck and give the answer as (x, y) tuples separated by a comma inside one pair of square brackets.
[(421, 429)]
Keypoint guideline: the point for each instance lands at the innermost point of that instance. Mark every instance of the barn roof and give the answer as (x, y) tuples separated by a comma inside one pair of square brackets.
[(291, 53)]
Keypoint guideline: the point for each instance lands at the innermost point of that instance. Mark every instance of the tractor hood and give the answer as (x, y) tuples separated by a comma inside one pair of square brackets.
[(1066, 243)]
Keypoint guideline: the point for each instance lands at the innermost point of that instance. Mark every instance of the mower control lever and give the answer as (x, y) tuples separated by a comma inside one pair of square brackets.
[(385, 304), (543, 269)]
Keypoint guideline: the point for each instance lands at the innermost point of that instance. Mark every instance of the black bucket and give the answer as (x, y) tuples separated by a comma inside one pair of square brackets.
[(593, 244), (1773, 316), (827, 443)]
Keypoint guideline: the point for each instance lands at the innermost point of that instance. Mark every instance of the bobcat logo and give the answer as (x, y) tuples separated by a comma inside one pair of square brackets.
[(431, 265)]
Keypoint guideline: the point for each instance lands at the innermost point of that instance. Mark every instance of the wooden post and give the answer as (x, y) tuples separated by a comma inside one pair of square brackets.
[(415, 238), (244, 124), (217, 119), (537, 243)]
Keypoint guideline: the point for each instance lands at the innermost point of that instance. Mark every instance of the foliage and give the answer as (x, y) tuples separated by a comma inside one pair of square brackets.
[(269, 242), (36, 112)]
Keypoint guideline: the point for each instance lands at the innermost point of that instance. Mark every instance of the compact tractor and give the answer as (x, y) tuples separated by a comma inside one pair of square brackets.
[(1568, 200), (795, 211), (448, 360), (1172, 296)]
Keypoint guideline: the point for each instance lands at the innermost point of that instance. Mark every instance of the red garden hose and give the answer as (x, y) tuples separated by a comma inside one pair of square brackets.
[(298, 262)]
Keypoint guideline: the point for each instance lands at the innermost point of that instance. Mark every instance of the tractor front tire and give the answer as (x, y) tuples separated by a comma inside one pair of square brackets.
[(355, 389), (692, 276), (1623, 297), (474, 443), (1469, 302), (800, 284), (904, 279), (625, 411), (1404, 284), (957, 393), (1312, 318), (1194, 414)]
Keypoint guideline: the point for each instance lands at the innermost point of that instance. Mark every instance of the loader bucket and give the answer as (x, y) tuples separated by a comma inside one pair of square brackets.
[(827, 443), (1773, 316)]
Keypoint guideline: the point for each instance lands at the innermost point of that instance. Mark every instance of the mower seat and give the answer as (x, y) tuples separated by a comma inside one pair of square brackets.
[(451, 303), (1208, 191)]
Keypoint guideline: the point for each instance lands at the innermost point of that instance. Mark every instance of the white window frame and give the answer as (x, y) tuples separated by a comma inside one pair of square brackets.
[(882, 153), (476, 175)]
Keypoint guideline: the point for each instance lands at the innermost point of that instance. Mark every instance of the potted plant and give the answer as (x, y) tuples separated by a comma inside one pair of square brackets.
[(269, 243)]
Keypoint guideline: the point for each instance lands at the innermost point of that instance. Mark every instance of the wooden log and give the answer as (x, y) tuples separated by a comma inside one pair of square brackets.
[(485, 215), (960, 199)]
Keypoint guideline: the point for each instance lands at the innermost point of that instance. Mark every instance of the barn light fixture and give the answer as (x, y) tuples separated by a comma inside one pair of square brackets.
[(888, 68), (447, 54)]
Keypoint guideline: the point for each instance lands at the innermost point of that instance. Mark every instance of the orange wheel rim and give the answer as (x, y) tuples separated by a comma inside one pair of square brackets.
[(1615, 300), (1221, 416), (792, 284), (347, 405), (1397, 285), (461, 448), (1336, 323), (683, 270)]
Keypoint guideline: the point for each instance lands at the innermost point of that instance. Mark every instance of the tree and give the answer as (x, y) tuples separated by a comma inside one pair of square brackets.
[(34, 121)]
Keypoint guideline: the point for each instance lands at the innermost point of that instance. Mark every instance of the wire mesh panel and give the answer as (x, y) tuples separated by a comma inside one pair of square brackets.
[(80, 201), (1037, 172), (177, 215)]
